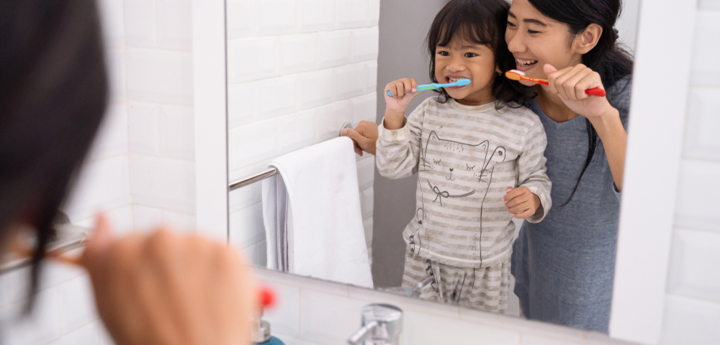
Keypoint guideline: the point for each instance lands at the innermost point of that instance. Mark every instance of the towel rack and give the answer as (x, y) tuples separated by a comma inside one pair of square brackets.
[(269, 172)]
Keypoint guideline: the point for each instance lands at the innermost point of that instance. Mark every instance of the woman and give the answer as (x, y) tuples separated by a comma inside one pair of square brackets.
[(150, 289), (564, 266)]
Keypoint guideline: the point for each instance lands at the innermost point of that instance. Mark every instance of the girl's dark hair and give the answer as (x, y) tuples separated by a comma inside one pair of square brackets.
[(480, 22), (53, 93), (607, 58)]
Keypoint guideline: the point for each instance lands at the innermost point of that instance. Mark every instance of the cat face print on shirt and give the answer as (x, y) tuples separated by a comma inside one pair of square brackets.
[(453, 159)]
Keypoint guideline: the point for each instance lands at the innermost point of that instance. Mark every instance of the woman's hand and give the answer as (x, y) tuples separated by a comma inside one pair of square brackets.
[(402, 94), (521, 202), (365, 135), (164, 288), (570, 85)]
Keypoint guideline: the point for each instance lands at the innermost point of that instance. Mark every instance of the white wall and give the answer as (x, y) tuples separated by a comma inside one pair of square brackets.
[(297, 69), (140, 170), (692, 309)]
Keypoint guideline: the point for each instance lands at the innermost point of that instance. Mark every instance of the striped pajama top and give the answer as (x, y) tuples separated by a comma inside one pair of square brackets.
[(466, 157)]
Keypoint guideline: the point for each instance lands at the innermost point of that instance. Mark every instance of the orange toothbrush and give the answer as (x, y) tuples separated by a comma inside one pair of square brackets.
[(514, 74)]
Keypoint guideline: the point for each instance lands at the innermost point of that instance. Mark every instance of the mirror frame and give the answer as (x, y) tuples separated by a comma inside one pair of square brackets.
[(647, 213)]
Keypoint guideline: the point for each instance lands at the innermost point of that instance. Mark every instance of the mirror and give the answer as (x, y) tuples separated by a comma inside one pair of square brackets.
[(298, 71)]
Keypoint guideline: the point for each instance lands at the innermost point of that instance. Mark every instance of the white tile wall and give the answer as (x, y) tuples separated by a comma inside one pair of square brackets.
[(297, 69), (692, 309)]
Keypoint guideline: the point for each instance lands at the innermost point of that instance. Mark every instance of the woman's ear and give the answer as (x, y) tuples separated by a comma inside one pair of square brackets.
[(588, 39), (497, 69)]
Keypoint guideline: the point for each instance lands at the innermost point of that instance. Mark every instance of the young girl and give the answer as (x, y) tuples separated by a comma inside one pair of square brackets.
[(480, 158)]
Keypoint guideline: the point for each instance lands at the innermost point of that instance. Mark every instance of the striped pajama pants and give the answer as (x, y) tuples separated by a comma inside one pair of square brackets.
[(483, 288)]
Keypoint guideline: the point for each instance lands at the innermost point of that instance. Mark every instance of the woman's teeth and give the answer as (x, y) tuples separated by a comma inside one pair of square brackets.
[(526, 62)]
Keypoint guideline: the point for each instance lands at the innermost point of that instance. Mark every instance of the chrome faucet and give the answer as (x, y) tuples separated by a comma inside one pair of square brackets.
[(381, 325)]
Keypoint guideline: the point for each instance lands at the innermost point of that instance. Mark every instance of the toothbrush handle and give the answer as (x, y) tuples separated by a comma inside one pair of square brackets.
[(596, 91), (420, 88)]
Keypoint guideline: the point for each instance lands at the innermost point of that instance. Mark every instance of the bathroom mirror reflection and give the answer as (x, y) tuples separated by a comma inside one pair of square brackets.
[(424, 215)]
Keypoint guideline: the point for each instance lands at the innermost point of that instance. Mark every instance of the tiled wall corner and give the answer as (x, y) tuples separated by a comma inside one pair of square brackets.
[(692, 308), (297, 69)]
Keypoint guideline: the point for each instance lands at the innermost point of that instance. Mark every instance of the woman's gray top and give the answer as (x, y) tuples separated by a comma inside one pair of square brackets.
[(564, 266)]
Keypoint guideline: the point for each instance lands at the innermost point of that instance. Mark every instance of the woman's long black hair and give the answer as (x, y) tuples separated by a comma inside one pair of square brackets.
[(53, 93), (481, 22), (607, 58)]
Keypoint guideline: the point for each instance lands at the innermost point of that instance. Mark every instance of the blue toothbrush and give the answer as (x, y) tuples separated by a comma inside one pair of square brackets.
[(421, 88)]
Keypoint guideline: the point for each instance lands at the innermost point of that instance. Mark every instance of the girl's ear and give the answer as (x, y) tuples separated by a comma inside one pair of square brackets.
[(588, 39)]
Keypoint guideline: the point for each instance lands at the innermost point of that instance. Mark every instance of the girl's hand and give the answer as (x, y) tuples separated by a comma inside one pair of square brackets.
[(365, 136), (164, 288), (521, 202), (401, 90), (570, 85)]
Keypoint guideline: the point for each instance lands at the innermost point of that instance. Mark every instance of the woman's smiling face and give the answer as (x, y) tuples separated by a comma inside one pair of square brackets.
[(535, 40)]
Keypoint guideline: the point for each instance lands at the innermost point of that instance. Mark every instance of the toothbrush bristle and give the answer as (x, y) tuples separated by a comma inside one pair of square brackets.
[(463, 82), (518, 72)]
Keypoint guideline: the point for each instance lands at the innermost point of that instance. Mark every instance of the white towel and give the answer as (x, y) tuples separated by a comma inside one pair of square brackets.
[(312, 214)]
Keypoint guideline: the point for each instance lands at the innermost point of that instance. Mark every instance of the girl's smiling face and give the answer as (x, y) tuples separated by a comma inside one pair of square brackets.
[(463, 59), (535, 40)]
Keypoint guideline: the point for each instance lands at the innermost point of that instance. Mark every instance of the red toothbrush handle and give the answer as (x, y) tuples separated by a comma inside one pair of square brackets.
[(596, 91)]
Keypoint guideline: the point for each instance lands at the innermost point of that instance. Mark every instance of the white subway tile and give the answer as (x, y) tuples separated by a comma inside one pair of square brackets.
[(373, 12), (121, 219), (247, 253), (431, 329), (352, 13), (179, 221), (240, 18), (143, 128), (40, 327), (251, 59), (261, 253), (695, 207), (704, 71), (315, 88), (284, 316), (334, 48), (105, 337), (366, 172), (329, 119), (102, 185), (241, 107), (529, 339), (112, 137), (246, 226), (141, 23), (252, 143), (86, 335), (365, 44), (372, 75), (112, 19), (368, 227), (245, 196), (328, 319), (276, 17), (177, 135), (296, 131), (703, 124), (160, 76), (349, 81), (364, 108), (694, 255), (367, 197), (162, 182), (116, 73), (146, 218), (298, 53), (318, 15), (690, 321), (174, 24), (76, 304), (709, 5), (275, 97)]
